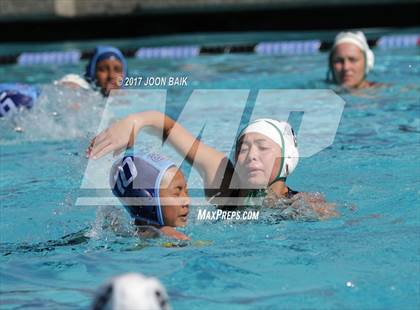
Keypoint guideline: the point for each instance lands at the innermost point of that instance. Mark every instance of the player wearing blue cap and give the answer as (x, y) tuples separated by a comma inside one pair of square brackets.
[(15, 97), (106, 69), (153, 190)]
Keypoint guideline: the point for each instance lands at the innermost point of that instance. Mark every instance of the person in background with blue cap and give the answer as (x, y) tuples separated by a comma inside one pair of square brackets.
[(106, 69), (15, 97), (153, 191)]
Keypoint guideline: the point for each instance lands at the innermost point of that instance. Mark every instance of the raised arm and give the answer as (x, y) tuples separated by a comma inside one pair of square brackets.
[(122, 134)]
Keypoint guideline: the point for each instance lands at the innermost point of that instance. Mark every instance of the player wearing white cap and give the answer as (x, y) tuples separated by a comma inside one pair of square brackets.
[(350, 60)]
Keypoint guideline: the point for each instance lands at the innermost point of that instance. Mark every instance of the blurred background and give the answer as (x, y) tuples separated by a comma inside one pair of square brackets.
[(57, 20)]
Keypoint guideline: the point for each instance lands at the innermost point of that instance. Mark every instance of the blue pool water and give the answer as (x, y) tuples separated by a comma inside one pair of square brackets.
[(55, 253)]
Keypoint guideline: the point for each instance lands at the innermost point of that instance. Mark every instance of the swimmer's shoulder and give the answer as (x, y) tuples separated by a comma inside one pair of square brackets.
[(233, 202), (372, 84)]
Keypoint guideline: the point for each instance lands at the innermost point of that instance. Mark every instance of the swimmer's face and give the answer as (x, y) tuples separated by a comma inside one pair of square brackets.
[(258, 160), (348, 65), (109, 73), (174, 197)]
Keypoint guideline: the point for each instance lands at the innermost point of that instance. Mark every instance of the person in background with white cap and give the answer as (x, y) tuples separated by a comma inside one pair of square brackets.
[(266, 154), (350, 60), (73, 81), (131, 291)]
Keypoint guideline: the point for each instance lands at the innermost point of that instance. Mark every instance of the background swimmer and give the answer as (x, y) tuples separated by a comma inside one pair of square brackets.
[(15, 97), (266, 154), (106, 68), (350, 60), (73, 81), (154, 192)]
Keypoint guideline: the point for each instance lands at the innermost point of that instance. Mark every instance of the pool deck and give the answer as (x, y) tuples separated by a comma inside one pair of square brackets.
[(24, 9), (82, 19)]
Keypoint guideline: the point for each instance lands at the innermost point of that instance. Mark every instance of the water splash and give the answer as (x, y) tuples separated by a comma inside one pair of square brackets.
[(60, 113)]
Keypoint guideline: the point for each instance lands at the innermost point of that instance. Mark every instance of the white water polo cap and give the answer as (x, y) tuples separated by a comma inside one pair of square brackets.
[(282, 134), (357, 38), (74, 79), (131, 291)]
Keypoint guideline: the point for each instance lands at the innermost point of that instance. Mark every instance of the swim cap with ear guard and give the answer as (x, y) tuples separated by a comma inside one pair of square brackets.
[(131, 291), (15, 97), (357, 38), (140, 176), (282, 134), (103, 53), (75, 79)]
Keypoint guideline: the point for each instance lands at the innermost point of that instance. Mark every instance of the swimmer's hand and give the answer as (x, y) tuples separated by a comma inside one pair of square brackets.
[(173, 233), (118, 137), (316, 202)]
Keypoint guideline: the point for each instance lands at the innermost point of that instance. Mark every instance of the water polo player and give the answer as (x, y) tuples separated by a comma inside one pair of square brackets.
[(106, 69), (350, 60), (153, 190)]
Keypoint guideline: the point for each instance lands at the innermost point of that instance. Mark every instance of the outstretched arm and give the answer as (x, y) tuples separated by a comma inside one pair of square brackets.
[(122, 134)]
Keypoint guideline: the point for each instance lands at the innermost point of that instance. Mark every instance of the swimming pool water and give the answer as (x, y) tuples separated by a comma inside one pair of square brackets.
[(55, 253)]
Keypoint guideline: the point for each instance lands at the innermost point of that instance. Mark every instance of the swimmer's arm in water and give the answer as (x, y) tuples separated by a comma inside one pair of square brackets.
[(173, 233), (153, 232), (122, 134), (315, 202), (301, 206)]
